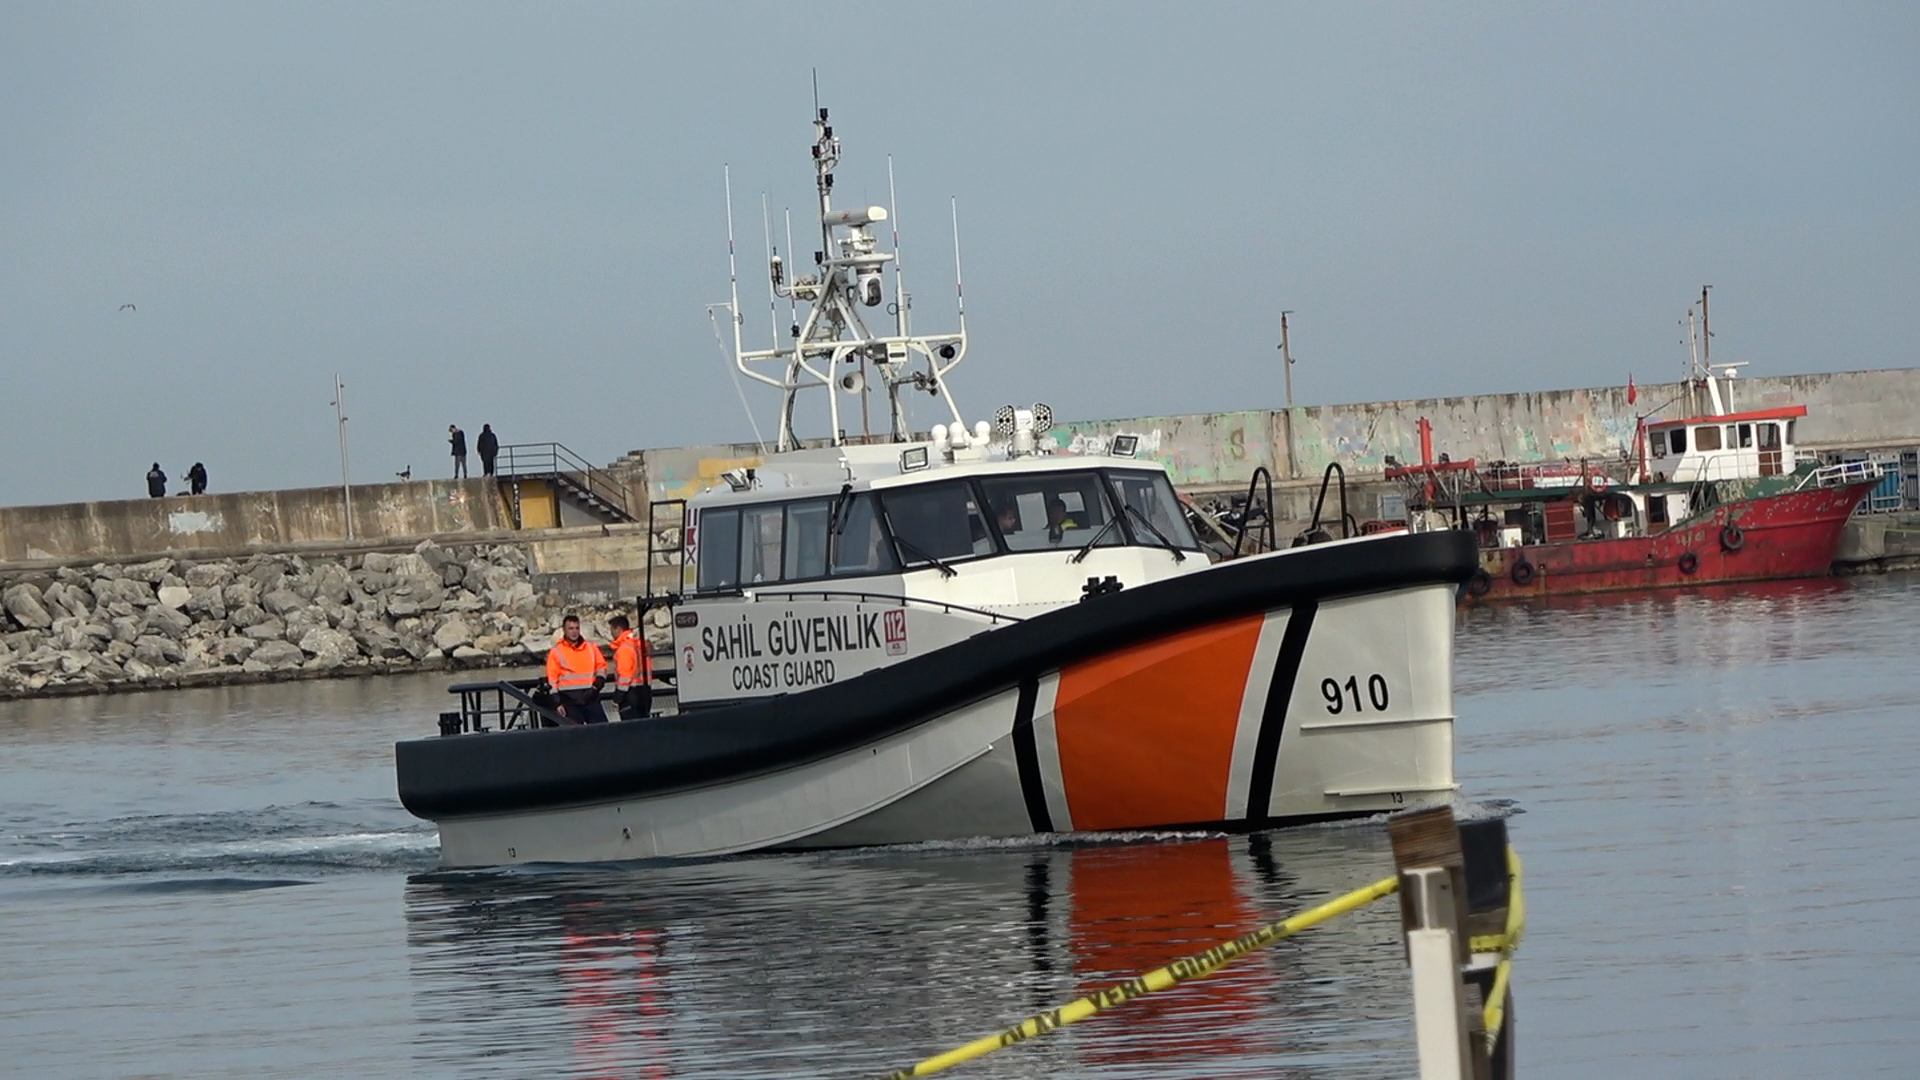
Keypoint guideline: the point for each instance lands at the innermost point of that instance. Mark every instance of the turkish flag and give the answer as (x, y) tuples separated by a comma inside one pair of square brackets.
[(1631, 392)]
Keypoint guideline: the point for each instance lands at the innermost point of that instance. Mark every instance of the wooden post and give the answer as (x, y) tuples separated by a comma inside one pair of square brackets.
[(1433, 910)]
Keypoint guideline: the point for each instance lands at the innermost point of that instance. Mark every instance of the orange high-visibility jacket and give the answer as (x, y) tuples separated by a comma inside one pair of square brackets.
[(631, 664), (574, 667)]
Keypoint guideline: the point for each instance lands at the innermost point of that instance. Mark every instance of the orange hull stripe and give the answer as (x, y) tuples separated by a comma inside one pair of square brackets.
[(1146, 734)]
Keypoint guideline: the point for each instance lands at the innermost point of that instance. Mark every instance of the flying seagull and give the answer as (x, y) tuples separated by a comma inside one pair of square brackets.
[(128, 307)]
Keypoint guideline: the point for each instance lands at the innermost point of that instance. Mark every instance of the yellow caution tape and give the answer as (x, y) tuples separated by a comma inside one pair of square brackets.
[(1505, 944), (1191, 967)]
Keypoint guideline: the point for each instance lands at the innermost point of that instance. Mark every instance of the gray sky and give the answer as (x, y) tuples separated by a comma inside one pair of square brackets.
[(513, 214)]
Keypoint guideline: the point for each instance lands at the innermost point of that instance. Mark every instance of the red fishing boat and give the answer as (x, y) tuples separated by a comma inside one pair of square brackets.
[(1716, 496)]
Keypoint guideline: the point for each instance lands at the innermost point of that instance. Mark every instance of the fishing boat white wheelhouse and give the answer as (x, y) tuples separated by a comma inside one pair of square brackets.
[(965, 635)]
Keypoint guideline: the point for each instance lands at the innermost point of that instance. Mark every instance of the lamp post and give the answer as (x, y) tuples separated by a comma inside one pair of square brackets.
[(340, 422), (1286, 358)]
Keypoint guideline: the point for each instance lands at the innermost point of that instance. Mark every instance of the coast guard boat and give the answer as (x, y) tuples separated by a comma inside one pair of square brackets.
[(911, 637)]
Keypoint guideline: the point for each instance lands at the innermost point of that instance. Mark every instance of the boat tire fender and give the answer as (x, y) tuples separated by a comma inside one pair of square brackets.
[(1479, 583), (1689, 562), (1522, 572), (1731, 538)]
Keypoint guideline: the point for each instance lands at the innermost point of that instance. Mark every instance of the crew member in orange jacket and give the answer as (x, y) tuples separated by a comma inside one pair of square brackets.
[(632, 671), (576, 669)]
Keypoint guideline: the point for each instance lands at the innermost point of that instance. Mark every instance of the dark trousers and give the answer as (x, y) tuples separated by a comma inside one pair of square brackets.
[(581, 706), (636, 702), (459, 466), (486, 464)]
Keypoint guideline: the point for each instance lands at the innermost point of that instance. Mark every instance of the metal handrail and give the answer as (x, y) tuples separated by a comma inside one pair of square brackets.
[(827, 594), (1841, 473), (551, 459)]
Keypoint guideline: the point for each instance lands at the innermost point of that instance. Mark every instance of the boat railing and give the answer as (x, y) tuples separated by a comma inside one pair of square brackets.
[(1348, 526), (510, 704), (1841, 473), (887, 598)]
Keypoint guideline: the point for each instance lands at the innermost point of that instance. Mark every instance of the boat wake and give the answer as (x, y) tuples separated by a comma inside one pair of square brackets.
[(215, 848)]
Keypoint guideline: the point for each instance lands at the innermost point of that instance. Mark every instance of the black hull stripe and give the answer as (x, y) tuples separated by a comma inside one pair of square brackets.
[(520, 770), (1027, 754), (1273, 719)]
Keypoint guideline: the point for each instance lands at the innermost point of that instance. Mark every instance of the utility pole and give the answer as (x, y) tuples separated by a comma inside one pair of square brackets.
[(340, 421), (1286, 355), (1706, 332), (1286, 358)]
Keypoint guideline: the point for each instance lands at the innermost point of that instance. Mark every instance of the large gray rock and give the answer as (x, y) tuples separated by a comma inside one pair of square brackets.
[(118, 651), (150, 572), (433, 555), (377, 562), (66, 599), (131, 591), (415, 594), (174, 596), (453, 575), (270, 629), (102, 670), (329, 648), (275, 656), (213, 575), (267, 577), (302, 621), (240, 594), (452, 634), (167, 621), (248, 615), (209, 602), (156, 651), (331, 584), (413, 565), (234, 650), (379, 641), (283, 601), (139, 669)]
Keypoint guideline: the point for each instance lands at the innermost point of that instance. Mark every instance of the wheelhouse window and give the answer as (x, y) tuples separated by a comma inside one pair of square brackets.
[(860, 546), (1706, 438), (1769, 436), (1039, 511), (1679, 437), (1147, 499), (936, 522), (1746, 436), (761, 528), (1656, 509), (1658, 442), (806, 542), (719, 551)]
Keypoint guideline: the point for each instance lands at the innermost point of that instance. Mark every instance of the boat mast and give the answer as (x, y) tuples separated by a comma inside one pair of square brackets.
[(832, 345)]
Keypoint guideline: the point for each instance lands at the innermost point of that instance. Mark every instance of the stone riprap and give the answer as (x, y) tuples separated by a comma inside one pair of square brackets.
[(271, 617)]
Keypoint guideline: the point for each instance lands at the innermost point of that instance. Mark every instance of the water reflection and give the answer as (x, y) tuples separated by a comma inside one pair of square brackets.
[(832, 963)]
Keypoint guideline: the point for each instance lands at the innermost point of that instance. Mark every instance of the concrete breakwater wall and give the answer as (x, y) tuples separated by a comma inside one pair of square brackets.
[(223, 524), (274, 617), (1845, 410)]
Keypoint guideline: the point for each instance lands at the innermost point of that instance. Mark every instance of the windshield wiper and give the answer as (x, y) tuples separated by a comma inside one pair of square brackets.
[(1088, 546), (945, 570), (1178, 555)]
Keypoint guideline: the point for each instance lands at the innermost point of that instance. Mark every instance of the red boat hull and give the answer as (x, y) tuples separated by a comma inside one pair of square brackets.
[(1794, 535)]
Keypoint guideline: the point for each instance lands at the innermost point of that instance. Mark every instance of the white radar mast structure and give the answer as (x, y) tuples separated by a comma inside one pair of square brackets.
[(832, 346)]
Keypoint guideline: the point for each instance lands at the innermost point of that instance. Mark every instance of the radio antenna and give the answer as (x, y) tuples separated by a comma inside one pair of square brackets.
[(899, 288), (733, 274), (773, 276), (959, 290)]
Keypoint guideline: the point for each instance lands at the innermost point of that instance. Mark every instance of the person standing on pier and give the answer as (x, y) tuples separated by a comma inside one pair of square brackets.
[(457, 439), (197, 479), (576, 669), (156, 482), (632, 671), (489, 447)]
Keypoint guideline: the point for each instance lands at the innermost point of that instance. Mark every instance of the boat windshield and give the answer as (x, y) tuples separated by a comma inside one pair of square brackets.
[(935, 522), (1038, 511), (1149, 501)]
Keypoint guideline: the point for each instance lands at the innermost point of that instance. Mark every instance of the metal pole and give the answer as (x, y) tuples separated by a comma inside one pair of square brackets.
[(1286, 357), (340, 421)]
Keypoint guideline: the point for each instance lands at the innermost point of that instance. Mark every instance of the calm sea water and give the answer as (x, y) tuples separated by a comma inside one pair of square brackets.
[(1716, 812)]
